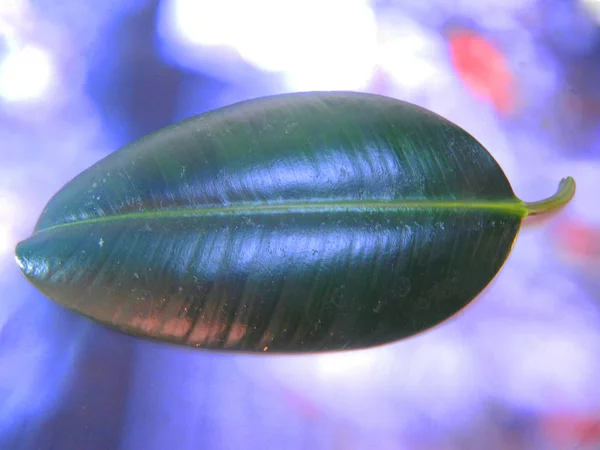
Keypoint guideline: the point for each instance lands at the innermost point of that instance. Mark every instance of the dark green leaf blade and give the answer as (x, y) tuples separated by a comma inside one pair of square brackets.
[(285, 282), (296, 223)]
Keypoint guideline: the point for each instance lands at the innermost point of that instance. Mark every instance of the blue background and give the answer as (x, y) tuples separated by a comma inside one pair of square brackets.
[(518, 370)]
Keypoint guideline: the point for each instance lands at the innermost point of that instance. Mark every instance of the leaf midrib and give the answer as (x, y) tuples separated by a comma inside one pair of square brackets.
[(510, 207)]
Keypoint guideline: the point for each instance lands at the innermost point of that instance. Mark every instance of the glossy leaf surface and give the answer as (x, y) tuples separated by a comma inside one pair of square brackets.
[(295, 223)]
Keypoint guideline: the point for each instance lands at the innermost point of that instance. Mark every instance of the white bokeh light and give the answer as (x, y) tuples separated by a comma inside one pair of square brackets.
[(592, 7), (315, 44), (412, 55), (26, 74), (7, 235)]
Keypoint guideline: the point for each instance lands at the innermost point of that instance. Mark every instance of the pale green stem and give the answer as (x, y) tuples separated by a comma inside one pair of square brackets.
[(566, 191)]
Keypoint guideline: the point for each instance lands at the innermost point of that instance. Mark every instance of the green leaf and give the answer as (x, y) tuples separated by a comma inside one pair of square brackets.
[(296, 223)]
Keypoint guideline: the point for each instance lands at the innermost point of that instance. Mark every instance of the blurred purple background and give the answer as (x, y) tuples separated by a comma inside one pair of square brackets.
[(519, 370)]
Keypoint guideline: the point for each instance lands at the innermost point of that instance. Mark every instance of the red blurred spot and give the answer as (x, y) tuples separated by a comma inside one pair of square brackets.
[(572, 429), (579, 239), (483, 69)]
